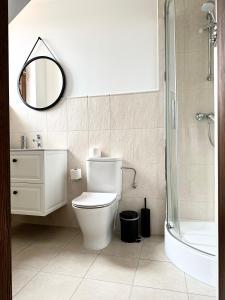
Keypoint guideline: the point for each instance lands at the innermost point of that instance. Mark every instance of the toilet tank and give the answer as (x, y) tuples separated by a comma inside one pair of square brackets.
[(104, 175)]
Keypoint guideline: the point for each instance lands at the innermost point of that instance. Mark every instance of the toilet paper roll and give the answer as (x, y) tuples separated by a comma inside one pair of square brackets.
[(95, 152), (75, 174)]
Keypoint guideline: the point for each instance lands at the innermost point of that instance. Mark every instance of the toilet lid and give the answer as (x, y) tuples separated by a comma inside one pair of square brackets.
[(94, 200)]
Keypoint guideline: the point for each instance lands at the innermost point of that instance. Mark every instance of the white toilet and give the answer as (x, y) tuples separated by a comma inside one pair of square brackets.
[(96, 209)]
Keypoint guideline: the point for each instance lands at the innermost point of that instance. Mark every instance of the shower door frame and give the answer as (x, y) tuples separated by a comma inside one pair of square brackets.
[(221, 144), (5, 224)]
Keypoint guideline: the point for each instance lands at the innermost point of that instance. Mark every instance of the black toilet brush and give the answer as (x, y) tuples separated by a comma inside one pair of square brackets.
[(145, 221)]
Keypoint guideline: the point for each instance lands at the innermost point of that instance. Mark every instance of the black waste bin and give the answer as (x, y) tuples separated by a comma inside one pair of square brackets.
[(129, 226)]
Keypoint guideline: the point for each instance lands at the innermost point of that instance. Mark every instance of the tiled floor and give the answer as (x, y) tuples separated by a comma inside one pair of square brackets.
[(50, 264)]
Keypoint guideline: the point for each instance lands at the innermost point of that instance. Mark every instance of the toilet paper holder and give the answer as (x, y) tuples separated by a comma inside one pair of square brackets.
[(76, 174)]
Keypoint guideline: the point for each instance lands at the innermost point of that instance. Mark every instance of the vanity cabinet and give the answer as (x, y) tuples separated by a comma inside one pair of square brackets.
[(38, 181)]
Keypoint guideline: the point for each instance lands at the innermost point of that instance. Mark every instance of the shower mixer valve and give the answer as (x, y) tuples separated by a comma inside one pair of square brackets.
[(204, 116)]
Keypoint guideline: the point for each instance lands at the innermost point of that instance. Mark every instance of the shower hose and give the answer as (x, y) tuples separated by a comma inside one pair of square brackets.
[(211, 140)]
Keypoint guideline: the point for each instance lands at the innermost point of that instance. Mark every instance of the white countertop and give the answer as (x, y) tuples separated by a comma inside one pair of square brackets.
[(42, 149)]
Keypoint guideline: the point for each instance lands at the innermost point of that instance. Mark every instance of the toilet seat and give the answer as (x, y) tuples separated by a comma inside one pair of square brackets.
[(90, 200)]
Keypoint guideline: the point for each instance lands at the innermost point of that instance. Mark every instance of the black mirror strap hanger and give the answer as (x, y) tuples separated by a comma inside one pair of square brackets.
[(41, 40)]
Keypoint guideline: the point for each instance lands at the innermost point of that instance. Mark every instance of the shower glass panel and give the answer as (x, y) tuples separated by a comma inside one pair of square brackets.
[(190, 43), (171, 128)]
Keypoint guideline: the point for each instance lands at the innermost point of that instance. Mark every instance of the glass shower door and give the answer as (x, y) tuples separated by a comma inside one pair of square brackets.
[(171, 122)]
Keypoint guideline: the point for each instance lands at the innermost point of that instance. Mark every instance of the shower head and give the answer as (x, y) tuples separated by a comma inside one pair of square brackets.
[(209, 7)]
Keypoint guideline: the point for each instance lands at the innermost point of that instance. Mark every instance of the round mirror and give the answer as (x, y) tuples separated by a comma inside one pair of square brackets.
[(41, 83)]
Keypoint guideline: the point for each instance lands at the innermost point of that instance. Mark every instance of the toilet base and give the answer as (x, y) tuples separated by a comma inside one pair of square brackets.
[(97, 243), (97, 225)]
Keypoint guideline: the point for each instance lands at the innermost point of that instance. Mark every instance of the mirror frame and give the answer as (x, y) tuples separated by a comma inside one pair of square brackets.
[(63, 83)]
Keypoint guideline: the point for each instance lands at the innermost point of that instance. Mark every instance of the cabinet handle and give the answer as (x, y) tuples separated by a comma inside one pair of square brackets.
[(14, 160), (15, 192)]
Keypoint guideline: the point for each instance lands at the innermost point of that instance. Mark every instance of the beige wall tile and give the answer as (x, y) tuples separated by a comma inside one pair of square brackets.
[(194, 146), (195, 40), (23, 118), (197, 210), (161, 34), (78, 147), (100, 139), (196, 182), (17, 118), (148, 146), (57, 140), (77, 114), (57, 117), (180, 7), (136, 111), (150, 180), (99, 113), (122, 145)]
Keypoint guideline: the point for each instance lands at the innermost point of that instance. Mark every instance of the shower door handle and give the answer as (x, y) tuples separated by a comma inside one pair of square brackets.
[(173, 113)]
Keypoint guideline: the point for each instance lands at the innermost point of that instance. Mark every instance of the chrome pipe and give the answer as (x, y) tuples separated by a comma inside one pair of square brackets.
[(134, 185)]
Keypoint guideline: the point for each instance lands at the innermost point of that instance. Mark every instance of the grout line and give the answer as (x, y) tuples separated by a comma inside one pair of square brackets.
[(160, 289), (40, 270), (35, 275), (110, 125), (21, 250), (186, 283), (88, 123), (84, 277), (133, 281)]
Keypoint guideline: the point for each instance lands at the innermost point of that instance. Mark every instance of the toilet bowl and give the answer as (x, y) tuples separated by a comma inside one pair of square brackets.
[(96, 213), (96, 209)]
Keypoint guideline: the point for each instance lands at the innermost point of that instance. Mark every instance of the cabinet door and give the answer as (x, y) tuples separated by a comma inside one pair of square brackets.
[(27, 199), (27, 167)]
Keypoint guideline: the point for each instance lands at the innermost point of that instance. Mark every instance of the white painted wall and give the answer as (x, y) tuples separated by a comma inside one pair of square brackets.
[(105, 46)]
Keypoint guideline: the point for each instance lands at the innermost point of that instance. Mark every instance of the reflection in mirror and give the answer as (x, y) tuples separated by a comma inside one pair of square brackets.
[(41, 83)]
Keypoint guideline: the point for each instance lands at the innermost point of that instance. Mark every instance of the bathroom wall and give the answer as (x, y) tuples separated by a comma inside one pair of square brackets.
[(129, 125), (105, 46), (194, 94)]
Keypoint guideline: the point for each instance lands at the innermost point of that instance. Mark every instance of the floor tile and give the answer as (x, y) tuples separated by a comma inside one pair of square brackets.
[(197, 287), (70, 263), (162, 275), (119, 248), (100, 290), (198, 297), (34, 257), (19, 245), (141, 293), (112, 268), (76, 245), (49, 287), (153, 249), (20, 278), (55, 236)]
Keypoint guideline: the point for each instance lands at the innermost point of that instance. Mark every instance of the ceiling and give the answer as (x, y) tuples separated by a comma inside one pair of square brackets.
[(15, 6)]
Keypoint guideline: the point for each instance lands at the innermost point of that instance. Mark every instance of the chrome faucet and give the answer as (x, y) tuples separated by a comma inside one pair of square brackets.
[(38, 141)]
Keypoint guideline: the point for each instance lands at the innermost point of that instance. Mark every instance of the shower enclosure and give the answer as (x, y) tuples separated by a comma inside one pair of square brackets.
[(190, 230)]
